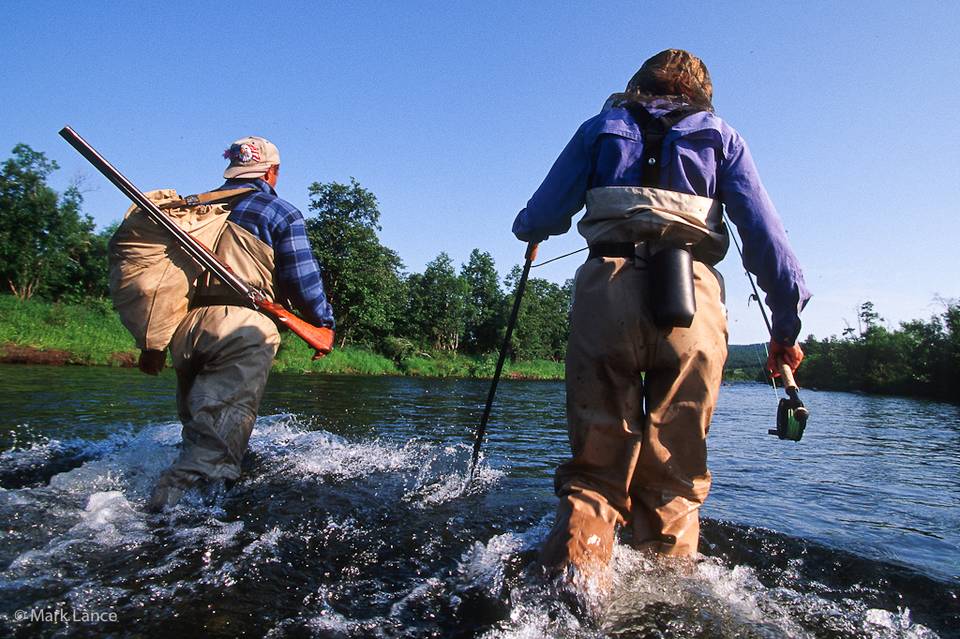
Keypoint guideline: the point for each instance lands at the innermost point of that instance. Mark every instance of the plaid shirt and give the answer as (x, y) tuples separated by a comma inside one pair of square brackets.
[(280, 225)]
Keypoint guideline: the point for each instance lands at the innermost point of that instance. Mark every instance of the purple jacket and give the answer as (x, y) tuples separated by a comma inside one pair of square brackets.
[(702, 155)]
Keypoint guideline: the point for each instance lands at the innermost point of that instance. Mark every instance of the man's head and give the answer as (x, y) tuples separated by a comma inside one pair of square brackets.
[(673, 72), (253, 157)]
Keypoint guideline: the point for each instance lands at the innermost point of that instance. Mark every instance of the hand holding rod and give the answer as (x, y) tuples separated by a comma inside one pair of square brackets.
[(788, 408)]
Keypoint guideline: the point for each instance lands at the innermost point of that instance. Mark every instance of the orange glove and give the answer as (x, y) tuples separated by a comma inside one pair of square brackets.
[(789, 355), (152, 362)]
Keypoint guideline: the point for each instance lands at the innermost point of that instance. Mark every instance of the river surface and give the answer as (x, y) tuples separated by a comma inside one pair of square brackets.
[(353, 518)]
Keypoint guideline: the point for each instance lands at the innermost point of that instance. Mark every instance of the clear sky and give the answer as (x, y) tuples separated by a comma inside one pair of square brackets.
[(452, 113)]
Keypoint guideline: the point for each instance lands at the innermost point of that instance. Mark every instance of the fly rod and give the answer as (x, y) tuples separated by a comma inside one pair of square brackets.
[(529, 256), (319, 338), (792, 415)]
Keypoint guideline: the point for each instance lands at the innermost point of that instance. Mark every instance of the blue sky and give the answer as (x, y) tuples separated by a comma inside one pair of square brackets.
[(452, 113)]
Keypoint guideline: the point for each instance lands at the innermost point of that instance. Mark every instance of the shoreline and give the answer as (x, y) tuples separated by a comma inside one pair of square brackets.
[(19, 354)]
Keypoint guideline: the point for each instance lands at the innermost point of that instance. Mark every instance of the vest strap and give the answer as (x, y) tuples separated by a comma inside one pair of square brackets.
[(613, 249), (202, 299), (211, 197), (654, 131)]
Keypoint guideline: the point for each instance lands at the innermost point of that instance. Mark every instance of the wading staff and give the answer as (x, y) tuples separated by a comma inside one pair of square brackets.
[(528, 257), (792, 415)]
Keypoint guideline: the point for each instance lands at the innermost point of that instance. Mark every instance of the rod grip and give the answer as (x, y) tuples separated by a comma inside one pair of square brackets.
[(786, 373), (531, 253)]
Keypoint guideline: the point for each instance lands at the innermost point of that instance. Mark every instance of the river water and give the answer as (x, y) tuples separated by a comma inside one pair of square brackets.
[(352, 520)]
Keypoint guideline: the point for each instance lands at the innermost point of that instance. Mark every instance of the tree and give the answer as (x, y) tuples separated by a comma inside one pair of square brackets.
[(362, 276), (437, 307), (43, 236), (484, 303), (543, 321), (86, 272), (920, 358), (869, 317)]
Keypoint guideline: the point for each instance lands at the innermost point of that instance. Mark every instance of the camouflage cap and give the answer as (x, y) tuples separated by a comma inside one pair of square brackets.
[(250, 157), (674, 72)]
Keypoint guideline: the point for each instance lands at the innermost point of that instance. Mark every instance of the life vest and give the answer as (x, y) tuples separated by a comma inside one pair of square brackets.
[(619, 214), (152, 280)]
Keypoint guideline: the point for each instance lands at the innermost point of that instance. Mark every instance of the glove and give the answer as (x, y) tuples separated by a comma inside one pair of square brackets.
[(324, 342), (779, 353), (152, 362)]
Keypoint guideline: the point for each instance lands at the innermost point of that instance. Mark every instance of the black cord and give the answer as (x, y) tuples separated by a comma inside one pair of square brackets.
[(756, 293), (554, 259)]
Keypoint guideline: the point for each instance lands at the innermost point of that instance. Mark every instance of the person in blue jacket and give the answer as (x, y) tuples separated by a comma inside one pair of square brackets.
[(655, 169)]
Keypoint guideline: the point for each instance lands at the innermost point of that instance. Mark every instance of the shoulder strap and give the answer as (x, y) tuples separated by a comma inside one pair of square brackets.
[(211, 197), (654, 130)]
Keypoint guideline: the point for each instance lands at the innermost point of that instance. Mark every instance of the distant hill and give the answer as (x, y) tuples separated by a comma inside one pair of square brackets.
[(745, 361)]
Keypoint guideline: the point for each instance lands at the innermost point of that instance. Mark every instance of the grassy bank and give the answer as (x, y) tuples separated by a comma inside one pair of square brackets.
[(91, 334)]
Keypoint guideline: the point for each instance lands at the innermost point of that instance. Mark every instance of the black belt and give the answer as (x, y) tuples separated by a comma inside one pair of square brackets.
[(201, 300), (613, 249)]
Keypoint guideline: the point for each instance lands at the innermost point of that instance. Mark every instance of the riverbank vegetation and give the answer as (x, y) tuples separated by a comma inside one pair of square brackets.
[(90, 333), (920, 358), (443, 322)]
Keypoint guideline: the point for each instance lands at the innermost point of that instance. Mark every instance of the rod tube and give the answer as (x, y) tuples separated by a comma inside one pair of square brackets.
[(188, 243)]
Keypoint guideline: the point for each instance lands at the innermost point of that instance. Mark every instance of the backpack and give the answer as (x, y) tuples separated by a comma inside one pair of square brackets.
[(152, 280)]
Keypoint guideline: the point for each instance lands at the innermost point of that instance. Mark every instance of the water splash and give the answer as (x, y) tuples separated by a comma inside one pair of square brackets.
[(332, 536)]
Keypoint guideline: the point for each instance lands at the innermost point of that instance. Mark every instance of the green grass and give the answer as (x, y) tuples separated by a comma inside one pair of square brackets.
[(90, 332), (479, 367), (536, 369), (295, 356)]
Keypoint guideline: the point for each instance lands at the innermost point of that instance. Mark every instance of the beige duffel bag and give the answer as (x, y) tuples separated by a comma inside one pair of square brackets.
[(151, 278)]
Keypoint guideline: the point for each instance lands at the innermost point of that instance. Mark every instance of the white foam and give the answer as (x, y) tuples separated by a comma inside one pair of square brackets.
[(433, 475), (883, 624), (265, 545), (110, 520), (98, 507)]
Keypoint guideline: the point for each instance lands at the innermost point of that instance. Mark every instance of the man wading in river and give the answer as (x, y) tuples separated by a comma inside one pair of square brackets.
[(223, 349), (654, 169)]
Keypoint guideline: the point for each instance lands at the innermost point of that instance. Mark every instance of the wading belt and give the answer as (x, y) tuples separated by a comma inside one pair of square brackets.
[(613, 249)]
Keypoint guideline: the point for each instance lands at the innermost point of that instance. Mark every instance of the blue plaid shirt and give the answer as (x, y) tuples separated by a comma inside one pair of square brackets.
[(280, 225)]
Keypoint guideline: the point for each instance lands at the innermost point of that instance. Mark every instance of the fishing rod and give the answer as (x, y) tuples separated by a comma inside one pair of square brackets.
[(529, 256), (792, 415)]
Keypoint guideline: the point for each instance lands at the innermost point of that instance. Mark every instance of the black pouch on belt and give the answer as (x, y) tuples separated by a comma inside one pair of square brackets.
[(673, 301)]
